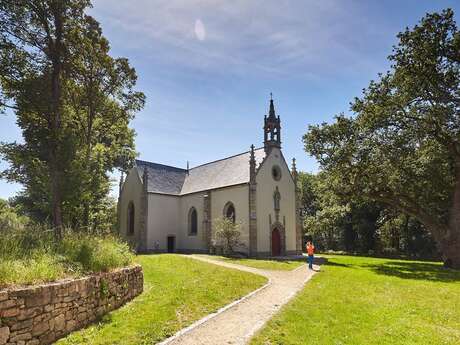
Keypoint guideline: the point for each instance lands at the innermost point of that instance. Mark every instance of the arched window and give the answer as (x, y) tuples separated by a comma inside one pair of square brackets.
[(130, 218), (192, 221), (229, 211)]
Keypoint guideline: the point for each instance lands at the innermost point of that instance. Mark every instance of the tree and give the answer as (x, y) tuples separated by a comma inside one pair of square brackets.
[(325, 217), (33, 57), (103, 101), (308, 196), (73, 102), (402, 146), (227, 234)]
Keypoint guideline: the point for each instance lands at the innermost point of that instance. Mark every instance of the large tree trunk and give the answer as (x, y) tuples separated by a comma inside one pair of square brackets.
[(447, 236), (451, 251), (450, 243)]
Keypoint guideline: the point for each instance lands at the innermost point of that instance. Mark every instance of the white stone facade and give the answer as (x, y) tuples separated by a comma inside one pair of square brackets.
[(268, 227)]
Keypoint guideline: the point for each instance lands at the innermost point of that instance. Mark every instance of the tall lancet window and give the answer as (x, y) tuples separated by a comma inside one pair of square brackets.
[(130, 218), (193, 222)]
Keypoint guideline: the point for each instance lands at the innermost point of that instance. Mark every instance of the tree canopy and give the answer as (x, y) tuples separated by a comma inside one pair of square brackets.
[(354, 224), (73, 102), (402, 146)]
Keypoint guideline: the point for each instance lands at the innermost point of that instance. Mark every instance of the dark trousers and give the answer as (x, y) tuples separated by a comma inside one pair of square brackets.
[(310, 261)]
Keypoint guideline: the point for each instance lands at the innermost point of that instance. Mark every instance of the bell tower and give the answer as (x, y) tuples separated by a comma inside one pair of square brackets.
[(272, 129)]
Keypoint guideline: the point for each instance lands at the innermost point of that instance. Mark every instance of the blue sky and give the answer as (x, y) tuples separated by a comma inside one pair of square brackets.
[(208, 67)]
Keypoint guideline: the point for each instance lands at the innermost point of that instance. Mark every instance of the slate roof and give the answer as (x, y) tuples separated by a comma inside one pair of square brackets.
[(162, 178), (221, 173)]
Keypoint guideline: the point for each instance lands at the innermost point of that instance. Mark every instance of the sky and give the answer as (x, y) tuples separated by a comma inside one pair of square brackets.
[(207, 68)]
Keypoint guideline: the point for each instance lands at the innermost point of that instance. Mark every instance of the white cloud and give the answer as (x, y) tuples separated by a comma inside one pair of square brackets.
[(260, 36), (200, 30)]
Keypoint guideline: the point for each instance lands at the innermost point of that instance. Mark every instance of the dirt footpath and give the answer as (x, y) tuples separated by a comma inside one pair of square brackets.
[(238, 322)]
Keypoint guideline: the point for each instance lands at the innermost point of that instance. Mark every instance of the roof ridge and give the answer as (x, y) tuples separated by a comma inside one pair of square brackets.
[(159, 165), (222, 159)]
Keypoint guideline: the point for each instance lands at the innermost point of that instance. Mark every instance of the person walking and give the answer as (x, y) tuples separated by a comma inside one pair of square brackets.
[(311, 254)]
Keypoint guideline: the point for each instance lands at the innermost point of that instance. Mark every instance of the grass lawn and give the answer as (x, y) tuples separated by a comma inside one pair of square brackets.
[(358, 300), (177, 291), (260, 263)]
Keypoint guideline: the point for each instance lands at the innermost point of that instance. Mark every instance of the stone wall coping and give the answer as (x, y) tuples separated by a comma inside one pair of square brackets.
[(18, 289)]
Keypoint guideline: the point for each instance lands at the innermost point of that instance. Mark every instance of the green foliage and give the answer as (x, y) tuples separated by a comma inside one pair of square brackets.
[(175, 295), (227, 234), (73, 102), (104, 288), (307, 184), (402, 146), (95, 253), (40, 267), (31, 255), (9, 217), (362, 300), (360, 225)]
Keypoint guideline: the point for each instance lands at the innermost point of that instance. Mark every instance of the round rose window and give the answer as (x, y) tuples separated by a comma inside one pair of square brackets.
[(276, 172)]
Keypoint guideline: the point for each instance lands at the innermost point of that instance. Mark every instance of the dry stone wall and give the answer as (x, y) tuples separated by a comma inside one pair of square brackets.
[(42, 314)]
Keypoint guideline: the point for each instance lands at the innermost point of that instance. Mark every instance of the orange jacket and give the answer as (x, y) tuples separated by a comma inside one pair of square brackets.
[(311, 249)]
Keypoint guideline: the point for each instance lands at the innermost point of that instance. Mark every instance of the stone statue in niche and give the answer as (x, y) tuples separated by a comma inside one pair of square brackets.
[(276, 202)]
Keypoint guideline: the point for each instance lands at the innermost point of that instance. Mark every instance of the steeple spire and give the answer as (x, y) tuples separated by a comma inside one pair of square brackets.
[(271, 112), (272, 128)]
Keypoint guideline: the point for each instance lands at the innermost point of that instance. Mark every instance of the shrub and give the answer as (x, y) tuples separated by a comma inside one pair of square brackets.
[(31, 255), (227, 234), (95, 253), (39, 269), (9, 218)]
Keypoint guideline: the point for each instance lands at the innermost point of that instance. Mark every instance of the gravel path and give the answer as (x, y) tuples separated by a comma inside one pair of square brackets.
[(238, 322)]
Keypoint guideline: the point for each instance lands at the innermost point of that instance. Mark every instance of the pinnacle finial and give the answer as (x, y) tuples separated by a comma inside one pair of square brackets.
[(145, 176), (271, 112)]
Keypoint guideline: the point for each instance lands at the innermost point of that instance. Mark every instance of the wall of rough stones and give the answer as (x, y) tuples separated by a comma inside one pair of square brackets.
[(42, 314)]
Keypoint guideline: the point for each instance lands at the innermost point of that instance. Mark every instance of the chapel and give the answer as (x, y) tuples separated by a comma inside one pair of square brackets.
[(163, 208)]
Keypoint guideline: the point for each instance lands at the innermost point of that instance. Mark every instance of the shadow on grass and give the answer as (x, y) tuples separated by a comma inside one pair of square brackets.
[(103, 320), (415, 270), (328, 262)]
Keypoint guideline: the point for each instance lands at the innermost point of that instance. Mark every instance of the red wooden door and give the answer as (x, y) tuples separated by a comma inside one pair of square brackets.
[(276, 243)]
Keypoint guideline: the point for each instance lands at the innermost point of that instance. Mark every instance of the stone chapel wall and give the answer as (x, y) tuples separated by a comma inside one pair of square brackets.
[(239, 196), (266, 215), (131, 192)]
